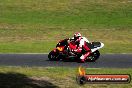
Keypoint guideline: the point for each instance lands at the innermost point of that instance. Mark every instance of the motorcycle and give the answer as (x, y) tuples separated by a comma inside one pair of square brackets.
[(63, 51)]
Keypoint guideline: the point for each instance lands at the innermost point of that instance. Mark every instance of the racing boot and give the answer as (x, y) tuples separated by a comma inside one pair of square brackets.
[(83, 57)]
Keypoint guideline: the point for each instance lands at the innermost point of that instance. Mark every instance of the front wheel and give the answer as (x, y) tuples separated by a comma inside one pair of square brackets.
[(53, 56)]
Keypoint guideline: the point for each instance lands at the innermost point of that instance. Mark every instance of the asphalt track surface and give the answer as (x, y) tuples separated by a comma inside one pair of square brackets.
[(41, 60)]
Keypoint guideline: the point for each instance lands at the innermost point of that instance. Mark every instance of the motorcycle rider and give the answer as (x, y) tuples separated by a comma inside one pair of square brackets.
[(81, 43)]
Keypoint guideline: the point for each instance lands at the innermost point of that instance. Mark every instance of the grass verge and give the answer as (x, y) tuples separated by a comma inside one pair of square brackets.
[(41, 41), (35, 27), (59, 77)]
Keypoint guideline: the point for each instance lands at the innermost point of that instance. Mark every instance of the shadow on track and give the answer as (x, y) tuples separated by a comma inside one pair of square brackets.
[(17, 80), (88, 61)]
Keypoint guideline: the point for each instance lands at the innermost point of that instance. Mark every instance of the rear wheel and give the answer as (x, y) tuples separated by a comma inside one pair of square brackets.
[(94, 56), (53, 56)]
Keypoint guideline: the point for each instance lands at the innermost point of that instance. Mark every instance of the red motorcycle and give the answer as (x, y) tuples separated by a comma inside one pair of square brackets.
[(63, 51)]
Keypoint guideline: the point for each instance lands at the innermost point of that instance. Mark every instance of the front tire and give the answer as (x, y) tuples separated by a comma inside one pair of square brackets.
[(53, 56)]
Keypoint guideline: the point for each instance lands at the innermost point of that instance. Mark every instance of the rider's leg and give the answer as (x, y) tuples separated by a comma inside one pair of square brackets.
[(88, 51), (84, 56)]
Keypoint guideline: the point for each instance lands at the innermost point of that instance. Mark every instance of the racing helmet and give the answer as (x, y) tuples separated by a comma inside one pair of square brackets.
[(77, 36)]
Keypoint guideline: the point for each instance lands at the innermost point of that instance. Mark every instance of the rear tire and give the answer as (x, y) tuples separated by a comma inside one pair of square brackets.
[(94, 56)]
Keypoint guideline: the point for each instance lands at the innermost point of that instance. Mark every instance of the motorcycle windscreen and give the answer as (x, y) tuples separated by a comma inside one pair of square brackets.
[(62, 43)]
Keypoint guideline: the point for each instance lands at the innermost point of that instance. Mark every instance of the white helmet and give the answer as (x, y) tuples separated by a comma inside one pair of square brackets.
[(77, 36)]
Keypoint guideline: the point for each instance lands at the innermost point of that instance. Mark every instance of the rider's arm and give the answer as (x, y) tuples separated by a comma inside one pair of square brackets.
[(79, 48)]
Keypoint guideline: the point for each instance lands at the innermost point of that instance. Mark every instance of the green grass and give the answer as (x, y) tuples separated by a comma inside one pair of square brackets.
[(37, 77), (36, 27), (70, 13), (40, 41)]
